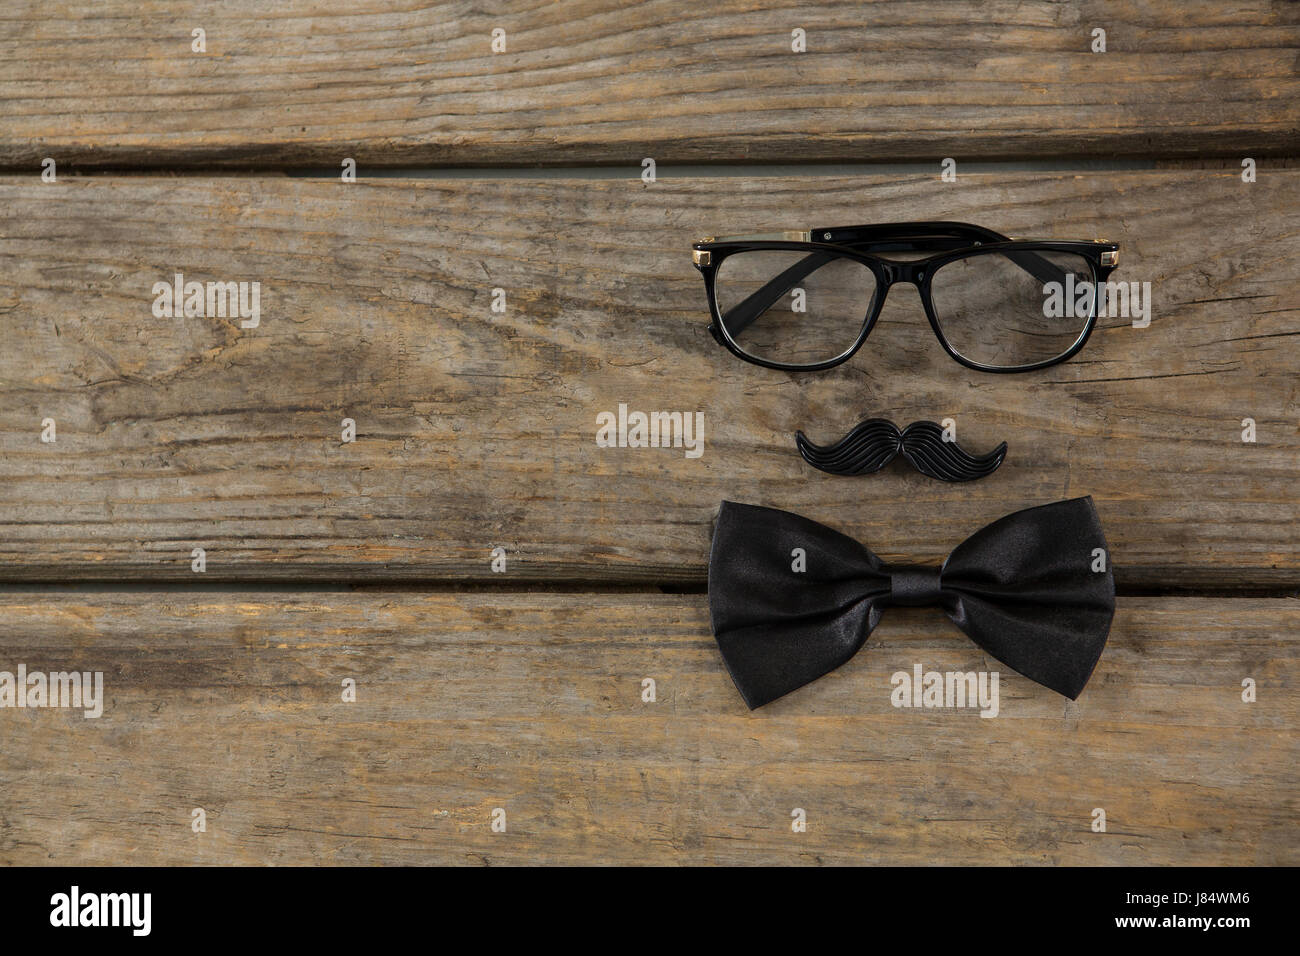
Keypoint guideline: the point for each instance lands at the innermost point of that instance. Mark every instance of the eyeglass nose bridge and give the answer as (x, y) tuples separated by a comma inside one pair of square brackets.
[(896, 272)]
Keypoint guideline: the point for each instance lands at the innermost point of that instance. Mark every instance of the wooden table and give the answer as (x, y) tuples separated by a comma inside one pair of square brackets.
[(524, 690)]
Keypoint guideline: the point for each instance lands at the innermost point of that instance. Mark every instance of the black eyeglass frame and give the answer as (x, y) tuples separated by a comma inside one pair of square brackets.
[(962, 240)]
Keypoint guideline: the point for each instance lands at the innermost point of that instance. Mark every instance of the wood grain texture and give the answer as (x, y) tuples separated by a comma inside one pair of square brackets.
[(532, 703), (398, 83), (477, 430)]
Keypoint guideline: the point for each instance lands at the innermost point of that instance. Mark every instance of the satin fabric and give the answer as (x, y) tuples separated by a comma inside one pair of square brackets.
[(1023, 588)]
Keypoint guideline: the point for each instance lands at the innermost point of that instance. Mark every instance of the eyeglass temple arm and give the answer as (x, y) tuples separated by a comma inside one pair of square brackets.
[(938, 237), (901, 237)]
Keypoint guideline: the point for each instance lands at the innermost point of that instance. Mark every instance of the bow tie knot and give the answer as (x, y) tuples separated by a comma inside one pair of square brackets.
[(914, 585)]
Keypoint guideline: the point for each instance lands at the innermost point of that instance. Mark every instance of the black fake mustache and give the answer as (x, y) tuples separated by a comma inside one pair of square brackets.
[(876, 442)]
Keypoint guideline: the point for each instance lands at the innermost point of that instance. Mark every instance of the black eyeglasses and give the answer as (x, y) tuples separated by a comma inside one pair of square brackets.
[(808, 300)]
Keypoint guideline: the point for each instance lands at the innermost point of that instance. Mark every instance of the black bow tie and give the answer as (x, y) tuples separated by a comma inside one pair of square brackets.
[(1033, 589)]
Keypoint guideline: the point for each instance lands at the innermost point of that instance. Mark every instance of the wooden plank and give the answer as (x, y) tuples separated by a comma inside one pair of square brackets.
[(533, 703), (476, 430), (597, 81)]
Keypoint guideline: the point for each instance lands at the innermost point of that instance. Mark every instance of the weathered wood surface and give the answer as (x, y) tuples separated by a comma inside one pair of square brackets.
[(477, 430), (533, 703), (116, 82)]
